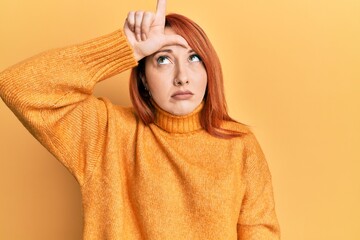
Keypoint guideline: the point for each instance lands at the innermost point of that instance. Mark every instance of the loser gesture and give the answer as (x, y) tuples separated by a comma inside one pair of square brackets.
[(145, 31)]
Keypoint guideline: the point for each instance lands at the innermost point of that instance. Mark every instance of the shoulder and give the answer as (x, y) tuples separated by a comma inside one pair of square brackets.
[(247, 138), (236, 127), (126, 116), (253, 156), (126, 113)]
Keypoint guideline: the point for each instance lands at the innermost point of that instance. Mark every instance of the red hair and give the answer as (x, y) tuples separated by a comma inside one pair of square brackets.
[(214, 111)]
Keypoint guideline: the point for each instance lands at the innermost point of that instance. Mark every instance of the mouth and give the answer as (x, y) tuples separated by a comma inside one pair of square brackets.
[(182, 95)]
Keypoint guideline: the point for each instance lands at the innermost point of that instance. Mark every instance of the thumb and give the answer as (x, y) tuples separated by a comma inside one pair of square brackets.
[(151, 45)]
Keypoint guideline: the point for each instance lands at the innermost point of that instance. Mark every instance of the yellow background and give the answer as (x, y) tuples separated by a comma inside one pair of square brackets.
[(292, 72)]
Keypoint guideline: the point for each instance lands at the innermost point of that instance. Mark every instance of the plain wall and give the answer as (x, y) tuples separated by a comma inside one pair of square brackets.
[(292, 72)]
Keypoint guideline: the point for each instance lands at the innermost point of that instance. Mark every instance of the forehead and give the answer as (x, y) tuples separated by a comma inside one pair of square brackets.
[(169, 31), (175, 47)]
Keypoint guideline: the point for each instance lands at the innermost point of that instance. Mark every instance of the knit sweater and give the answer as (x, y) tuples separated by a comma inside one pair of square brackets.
[(166, 180)]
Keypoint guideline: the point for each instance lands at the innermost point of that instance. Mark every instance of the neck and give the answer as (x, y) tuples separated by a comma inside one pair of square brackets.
[(178, 124)]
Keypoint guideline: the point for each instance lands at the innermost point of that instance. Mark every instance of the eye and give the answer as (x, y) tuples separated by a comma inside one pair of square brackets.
[(195, 58), (163, 60)]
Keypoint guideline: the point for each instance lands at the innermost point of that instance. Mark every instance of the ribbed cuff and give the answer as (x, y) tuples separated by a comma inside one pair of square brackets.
[(107, 55)]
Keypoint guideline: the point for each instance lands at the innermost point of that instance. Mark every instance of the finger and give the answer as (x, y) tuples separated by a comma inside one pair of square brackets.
[(147, 20), (161, 9), (138, 21), (131, 21)]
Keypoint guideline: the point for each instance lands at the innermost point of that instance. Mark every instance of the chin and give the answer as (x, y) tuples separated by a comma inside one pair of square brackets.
[(181, 112), (180, 108)]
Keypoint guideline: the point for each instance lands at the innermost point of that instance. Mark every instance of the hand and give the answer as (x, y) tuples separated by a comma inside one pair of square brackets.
[(145, 31)]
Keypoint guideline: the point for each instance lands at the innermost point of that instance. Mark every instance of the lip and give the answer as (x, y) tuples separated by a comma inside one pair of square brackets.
[(182, 95)]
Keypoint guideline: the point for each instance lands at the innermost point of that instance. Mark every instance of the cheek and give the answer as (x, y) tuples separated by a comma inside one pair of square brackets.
[(159, 86), (152, 79), (202, 81), (159, 80)]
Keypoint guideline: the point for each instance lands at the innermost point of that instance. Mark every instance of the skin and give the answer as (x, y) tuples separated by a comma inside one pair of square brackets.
[(145, 31), (174, 74), (176, 78)]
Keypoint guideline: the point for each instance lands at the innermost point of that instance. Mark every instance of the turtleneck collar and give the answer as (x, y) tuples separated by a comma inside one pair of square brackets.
[(178, 124)]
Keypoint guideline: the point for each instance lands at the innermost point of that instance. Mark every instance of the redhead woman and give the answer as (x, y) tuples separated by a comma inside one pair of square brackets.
[(173, 166)]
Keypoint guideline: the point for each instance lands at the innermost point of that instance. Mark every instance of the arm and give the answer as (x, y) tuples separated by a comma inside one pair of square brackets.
[(257, 219), (51, 94)]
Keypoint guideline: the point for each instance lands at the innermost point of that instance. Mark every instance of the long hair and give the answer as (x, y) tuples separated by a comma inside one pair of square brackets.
[(214, 111)]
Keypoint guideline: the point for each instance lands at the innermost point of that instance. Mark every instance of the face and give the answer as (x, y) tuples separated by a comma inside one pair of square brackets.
[(176, 78)]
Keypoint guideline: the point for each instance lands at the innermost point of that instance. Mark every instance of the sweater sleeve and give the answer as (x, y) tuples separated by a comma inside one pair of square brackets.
[(51, 94), (257, 219)]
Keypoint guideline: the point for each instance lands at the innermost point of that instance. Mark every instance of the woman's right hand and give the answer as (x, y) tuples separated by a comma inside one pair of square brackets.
[(145, 31)]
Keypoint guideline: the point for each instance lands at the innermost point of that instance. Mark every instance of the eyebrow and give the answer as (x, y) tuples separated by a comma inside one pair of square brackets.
[(170, 51)]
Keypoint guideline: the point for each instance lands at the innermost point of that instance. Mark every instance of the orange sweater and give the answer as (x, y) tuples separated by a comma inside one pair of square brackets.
[(168, 180)]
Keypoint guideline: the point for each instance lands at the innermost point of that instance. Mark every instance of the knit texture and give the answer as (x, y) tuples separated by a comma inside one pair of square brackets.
[(167, 180)]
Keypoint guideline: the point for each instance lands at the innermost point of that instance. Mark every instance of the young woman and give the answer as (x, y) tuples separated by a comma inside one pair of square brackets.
[(175, 166)]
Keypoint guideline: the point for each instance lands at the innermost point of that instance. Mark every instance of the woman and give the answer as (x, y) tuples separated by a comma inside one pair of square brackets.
[(175, 166)]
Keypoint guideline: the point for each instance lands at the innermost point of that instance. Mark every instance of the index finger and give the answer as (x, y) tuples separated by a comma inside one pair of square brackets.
[(161, 8)]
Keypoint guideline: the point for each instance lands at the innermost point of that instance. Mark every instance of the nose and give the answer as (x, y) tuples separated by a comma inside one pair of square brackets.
[(181, 76)]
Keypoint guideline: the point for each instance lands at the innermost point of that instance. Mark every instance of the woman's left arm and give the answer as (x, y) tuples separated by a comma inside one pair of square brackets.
[(257, 219)]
